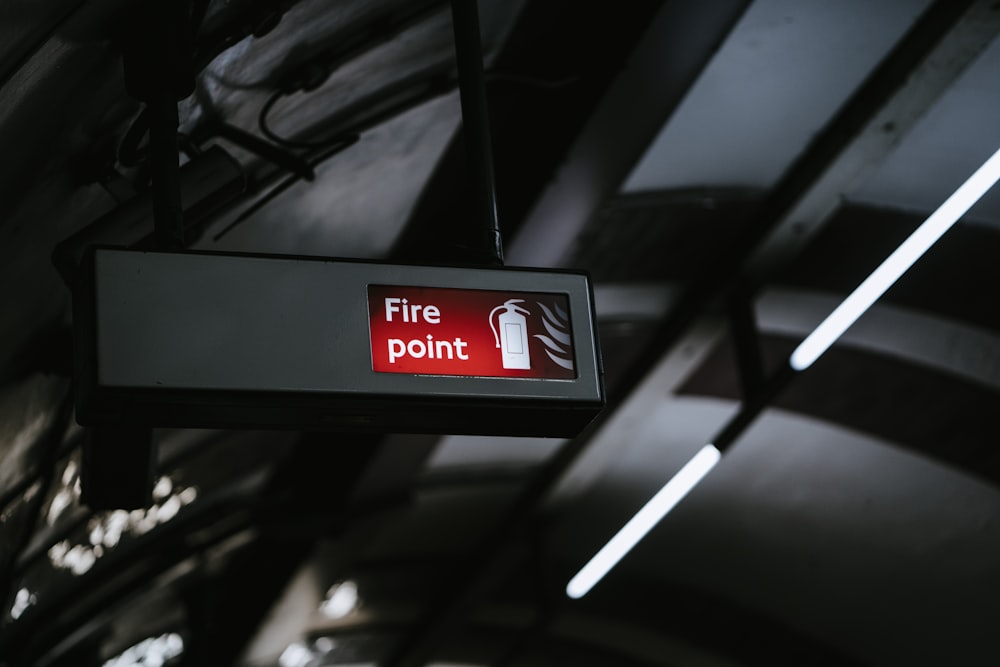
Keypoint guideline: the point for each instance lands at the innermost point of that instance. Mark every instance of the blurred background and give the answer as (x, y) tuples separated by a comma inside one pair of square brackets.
[(726, 171)]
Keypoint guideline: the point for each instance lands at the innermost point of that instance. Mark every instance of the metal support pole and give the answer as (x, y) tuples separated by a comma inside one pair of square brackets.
[(746, 341), (157, 46), (752, 407), (168, 215), (120, 458), (476, 124)]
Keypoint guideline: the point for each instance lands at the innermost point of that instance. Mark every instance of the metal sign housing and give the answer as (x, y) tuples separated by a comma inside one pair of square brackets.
[(227, 340)]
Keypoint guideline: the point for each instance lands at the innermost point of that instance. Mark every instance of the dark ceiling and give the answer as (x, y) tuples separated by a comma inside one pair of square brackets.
[(726, 172)]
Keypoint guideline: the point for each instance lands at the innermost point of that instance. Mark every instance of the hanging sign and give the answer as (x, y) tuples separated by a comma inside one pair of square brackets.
[(223, 340)]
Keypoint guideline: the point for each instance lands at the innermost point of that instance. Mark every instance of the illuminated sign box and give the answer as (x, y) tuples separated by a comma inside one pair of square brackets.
[(236, 341)]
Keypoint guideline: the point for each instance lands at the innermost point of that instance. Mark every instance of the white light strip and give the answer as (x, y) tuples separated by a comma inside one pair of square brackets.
[(896, 264), (644, 520)]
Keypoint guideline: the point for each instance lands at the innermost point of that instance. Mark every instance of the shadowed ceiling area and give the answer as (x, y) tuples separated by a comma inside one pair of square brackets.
[(726, 173)]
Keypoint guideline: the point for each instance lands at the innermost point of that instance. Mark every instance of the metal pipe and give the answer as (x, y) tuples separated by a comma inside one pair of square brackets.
[(746, 339), (168, 216), (476, 124)]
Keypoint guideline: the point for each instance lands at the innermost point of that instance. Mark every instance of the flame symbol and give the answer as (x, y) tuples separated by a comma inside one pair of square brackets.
[(557, 343)]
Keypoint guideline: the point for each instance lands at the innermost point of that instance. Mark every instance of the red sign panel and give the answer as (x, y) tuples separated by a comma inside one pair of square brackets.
[(481, 333)]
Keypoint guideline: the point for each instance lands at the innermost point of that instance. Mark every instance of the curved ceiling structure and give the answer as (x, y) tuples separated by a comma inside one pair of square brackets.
[(726, 172)]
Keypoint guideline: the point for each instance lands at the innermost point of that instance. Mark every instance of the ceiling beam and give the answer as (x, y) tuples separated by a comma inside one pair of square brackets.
[(680, 42), (877, 119)]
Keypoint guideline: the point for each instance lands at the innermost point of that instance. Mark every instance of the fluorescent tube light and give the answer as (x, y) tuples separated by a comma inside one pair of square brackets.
[(896, 264), (644, 520)]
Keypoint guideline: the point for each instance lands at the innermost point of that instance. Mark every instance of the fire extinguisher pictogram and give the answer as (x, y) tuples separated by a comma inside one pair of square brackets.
[(512, 334)]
